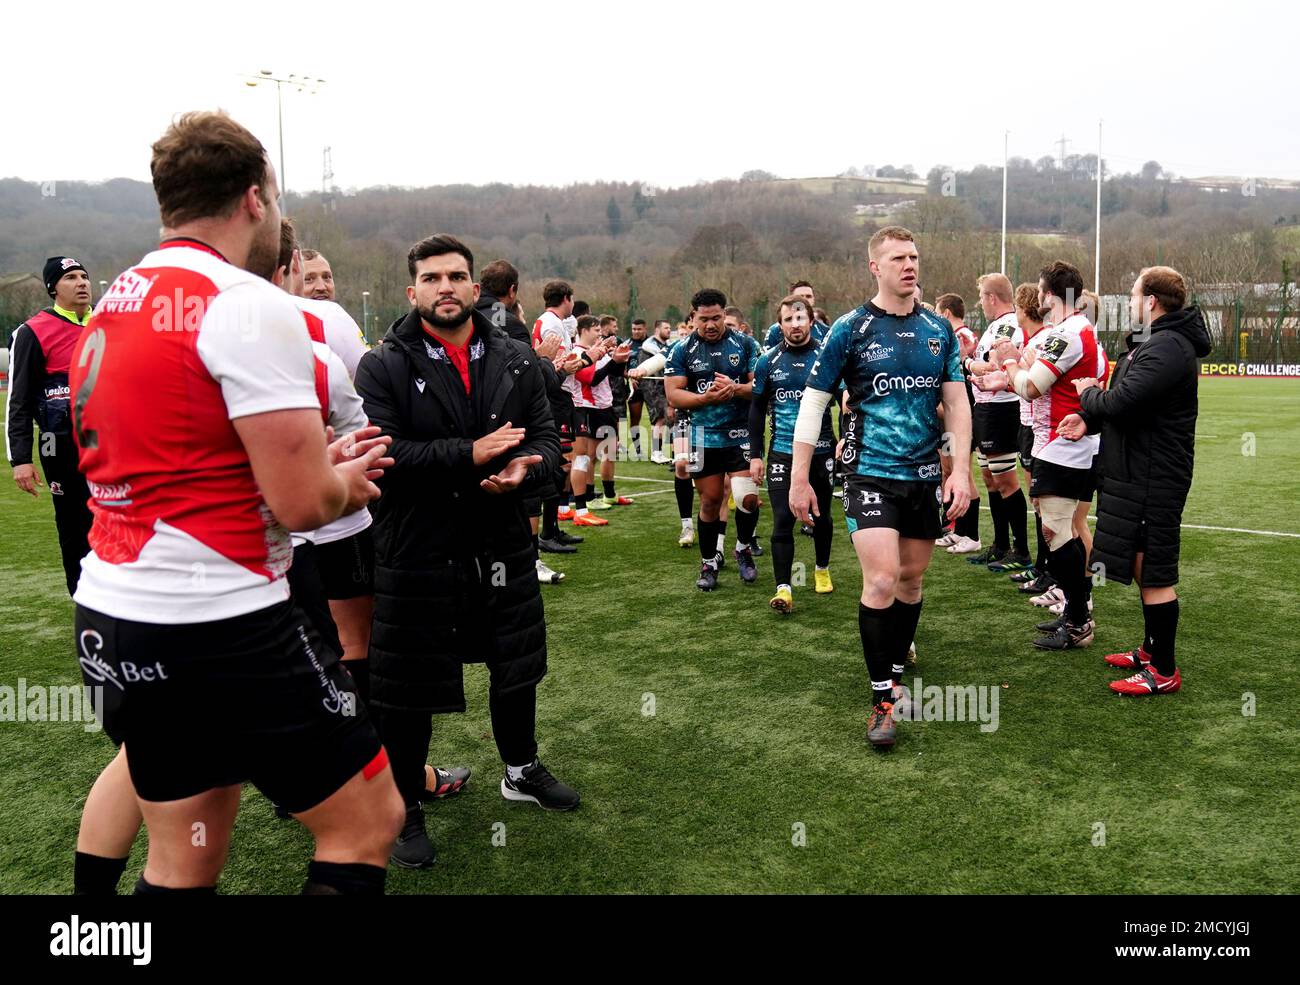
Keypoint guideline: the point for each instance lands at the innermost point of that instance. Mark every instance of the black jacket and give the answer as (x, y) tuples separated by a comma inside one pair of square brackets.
[(455, 576), (1147, 420), (503, 318)]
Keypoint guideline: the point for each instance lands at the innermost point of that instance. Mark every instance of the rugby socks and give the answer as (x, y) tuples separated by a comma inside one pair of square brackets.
[(550, 518), (580, 504), (636, 443), (1040, 562), (95, 875), (1161, 628), (360, 669), (722, 536), (1001, 528), (904, 617), (685, 490), (782, 557), (823, 531), (708, 538), (1014, 509), (873, 627), (968, 524), (143, 888), (1067, 567), (344, 879), (746, 524), (610, 494)]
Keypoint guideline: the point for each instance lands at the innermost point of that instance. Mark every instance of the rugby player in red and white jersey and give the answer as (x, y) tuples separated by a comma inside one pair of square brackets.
[(1062, 475), (592, 401), (997, 431), (343, 555), (199, 424), (1036, 581), (558, 321)]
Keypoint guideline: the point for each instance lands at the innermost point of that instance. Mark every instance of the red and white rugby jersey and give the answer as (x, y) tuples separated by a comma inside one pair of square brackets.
[(345, 413), (1003, 328), (1027, 406), (585, 394), (549, 323), (342, 334), (1071, 351), (182, 344)]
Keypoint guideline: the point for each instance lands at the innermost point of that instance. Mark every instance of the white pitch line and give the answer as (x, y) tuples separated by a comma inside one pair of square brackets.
[(1091, 519), (1199, 526), (637, 478)]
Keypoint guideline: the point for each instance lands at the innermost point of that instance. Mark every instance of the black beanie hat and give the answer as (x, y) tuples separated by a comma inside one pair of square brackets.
[(56, 267)]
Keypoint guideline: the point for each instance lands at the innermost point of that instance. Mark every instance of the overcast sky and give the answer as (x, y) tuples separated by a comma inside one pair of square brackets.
[(666, 92)]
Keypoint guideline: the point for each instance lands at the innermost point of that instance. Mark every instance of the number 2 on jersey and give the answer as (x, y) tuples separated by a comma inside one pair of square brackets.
[(94, 351)]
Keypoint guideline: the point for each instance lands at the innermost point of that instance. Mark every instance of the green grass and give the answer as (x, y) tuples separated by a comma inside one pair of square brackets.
[(759, 723)]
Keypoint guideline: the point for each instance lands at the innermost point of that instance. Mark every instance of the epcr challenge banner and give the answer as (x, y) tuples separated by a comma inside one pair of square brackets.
[(1251, 369)]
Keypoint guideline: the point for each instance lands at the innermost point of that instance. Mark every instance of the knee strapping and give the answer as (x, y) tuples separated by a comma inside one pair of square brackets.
[(1058, 517), (1001, 464), (742, 487), (582, 463)]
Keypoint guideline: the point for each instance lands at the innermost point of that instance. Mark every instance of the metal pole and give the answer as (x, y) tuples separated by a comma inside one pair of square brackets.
[(365, 314), (1002, 266), (1096, 270)]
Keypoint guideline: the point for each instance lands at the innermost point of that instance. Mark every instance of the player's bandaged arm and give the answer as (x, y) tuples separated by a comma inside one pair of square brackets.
[(652, 366), (1029, 383), (807, 429)]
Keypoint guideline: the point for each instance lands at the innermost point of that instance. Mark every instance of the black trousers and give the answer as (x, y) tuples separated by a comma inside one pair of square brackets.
[(406, 734), (71, 495)]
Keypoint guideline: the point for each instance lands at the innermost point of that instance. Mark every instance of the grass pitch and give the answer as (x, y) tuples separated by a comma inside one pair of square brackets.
[(752, 773)]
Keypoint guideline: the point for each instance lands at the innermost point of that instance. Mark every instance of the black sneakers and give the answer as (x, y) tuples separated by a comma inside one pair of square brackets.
[(413, 850), (539, 786), (564, 537), (552, 545)]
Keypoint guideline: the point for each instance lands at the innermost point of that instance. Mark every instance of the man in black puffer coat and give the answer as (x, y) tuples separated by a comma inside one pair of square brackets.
[(1147, 420), (455, 576)]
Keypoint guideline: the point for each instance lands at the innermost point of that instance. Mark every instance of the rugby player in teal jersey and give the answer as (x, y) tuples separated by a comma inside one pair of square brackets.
[(898, 362)]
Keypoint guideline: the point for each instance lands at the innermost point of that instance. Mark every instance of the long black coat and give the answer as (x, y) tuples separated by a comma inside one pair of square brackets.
[(1147, 420), (455, 575)]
